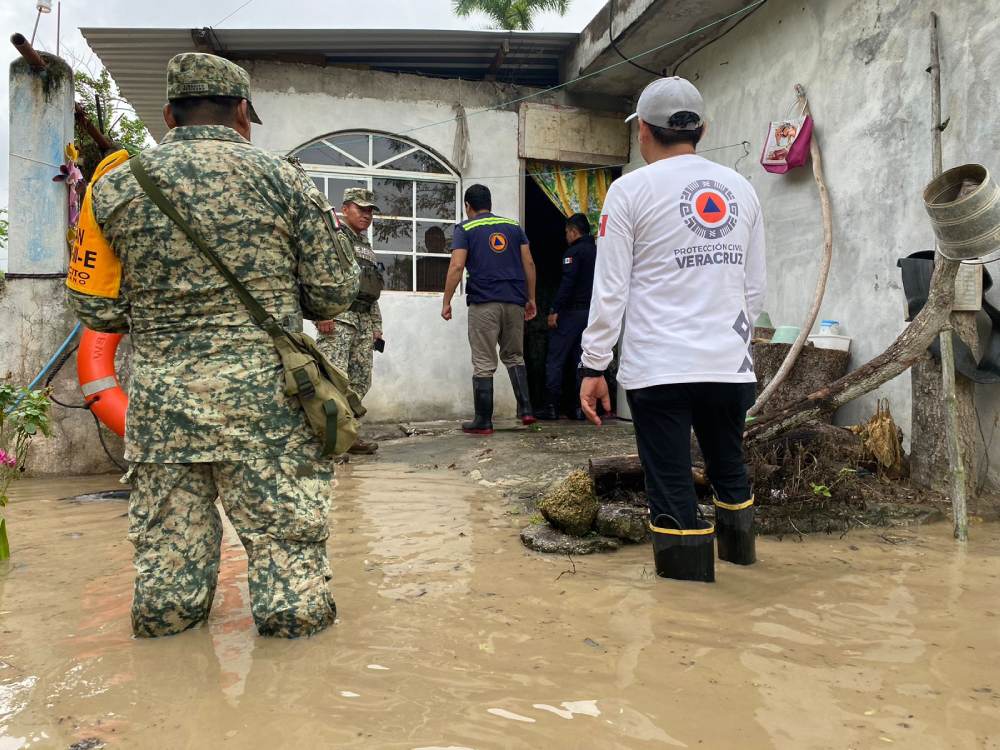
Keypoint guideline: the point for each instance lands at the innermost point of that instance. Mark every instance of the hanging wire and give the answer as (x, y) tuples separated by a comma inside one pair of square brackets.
[(558, 86), (614, 44), (218, 23), (713, 40)]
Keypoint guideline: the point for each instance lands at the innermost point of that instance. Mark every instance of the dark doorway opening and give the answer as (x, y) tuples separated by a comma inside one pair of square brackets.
[(545, 226)]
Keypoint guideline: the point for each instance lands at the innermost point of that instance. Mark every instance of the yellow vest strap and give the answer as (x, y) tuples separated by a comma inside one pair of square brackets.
[(94, 268)]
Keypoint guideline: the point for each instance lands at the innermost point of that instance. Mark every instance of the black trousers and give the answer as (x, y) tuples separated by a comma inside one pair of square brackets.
[(564, 350), (663, 416)]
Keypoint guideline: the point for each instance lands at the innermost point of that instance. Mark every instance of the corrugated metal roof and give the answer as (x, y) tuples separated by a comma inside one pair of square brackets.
[(137, 58)]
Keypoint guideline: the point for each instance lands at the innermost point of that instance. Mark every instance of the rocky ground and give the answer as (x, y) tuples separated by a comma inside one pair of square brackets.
[(820, 485)]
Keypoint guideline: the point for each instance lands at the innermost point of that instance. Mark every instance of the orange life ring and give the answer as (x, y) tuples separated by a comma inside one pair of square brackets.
[(95, 370)]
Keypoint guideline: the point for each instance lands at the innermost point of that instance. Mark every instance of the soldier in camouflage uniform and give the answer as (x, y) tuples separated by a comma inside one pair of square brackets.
[(348, 340), (207, 412)]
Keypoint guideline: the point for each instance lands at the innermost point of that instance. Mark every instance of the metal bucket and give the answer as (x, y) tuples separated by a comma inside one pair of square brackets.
[(964, 206)]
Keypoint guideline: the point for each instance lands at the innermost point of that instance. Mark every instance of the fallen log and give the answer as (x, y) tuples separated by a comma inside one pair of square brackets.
[(625, 473), (897, 359)]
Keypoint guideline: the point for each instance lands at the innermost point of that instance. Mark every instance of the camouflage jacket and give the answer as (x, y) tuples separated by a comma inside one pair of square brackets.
[(205, 381), (363, 250)]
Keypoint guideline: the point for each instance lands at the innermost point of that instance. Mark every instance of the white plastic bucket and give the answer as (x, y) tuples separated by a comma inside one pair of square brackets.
[(831, 341)]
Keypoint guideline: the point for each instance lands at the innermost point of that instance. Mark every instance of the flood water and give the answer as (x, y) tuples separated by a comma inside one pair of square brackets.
[(452, 635)]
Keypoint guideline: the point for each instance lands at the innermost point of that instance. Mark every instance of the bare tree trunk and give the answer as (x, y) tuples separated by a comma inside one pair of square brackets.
[(957, 474), (952, 430), (824, 270), (901, 354), (930, 465)]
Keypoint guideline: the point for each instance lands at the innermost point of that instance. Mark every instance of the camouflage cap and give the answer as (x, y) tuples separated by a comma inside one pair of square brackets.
[(196, 74), (361, 197)]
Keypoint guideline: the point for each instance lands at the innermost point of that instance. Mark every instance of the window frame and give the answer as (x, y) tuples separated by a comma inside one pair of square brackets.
[(370, 172)]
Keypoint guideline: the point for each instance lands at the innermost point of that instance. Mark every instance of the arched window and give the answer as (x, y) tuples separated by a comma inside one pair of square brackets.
[(417, 192)]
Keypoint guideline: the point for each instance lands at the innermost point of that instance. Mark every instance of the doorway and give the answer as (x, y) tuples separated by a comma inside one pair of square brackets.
[(545, 226)]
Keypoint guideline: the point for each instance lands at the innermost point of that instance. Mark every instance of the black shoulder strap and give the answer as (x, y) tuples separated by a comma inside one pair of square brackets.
[(256, 310)]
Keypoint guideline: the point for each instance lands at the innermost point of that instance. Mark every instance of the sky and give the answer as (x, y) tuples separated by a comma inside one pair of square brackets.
[(19, 16)]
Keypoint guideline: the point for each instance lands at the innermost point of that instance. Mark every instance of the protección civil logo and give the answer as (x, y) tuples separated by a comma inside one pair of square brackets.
[(709, 209)]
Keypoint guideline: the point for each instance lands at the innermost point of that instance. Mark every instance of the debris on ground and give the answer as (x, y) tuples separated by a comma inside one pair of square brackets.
[(571, 505), (816, 479), (544, 538), (623, 521)]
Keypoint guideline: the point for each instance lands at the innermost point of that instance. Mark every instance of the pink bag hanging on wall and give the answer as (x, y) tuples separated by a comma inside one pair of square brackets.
[(787, 144)]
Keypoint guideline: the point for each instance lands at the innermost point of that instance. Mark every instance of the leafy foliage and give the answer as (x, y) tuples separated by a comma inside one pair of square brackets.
[(24, 414), (116, 117), (510, 15), (4, 227)]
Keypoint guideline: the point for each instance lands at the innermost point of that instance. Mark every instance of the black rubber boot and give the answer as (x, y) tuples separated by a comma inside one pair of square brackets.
[(519, 382), (549, 412), (684, 554), (735, 532), (482, 394)]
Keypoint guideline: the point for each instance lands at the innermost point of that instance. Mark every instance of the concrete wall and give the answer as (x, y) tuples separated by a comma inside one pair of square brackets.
[(41, 124), (34, 312), (425, 372), (863, 65), (36, 320)]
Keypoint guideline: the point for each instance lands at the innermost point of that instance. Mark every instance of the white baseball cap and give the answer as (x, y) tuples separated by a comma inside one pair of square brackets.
[(664, 98)]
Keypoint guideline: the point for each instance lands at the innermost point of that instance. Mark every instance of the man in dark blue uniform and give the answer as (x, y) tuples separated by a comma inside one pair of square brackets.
[(501, 297), (569, 311)]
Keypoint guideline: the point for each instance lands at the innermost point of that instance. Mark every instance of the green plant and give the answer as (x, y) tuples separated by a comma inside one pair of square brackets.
[(116, 119), (24, 415), (510, 15), (820, 490), (4, 227), (823, 490)]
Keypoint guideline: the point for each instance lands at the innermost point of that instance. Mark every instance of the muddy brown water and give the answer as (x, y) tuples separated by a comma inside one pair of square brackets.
[(452, 635)]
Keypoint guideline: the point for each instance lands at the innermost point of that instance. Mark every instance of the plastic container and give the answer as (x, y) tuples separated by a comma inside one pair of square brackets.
[(763, 321), (829, 327), (964, 207), (785, 335), (831, 341)]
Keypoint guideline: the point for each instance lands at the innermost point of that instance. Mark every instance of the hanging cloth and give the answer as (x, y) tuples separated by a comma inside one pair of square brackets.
[(573, 190)]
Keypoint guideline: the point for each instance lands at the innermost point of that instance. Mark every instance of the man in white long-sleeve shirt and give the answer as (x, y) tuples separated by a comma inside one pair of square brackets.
[(680, 256)]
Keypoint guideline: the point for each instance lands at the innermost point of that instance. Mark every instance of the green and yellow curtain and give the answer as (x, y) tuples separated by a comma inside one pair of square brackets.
[(573, 190)]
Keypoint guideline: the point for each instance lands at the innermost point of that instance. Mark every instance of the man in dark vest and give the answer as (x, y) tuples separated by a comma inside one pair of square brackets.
[(501, 297), (569, 311)]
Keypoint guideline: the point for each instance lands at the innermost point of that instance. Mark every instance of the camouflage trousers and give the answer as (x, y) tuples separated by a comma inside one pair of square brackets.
[(350, 348), (279, 507)]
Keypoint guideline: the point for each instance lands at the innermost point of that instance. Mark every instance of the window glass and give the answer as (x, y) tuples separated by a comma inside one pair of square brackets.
[(434, 237), (394, 197), (320, 153), (398, 272), (431, 273), (355, 144), (384, 148), (418, 216), (436, 200), (392, 236), (418, 161)]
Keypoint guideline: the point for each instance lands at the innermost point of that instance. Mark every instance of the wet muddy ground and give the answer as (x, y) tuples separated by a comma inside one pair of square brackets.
[(452, 635)]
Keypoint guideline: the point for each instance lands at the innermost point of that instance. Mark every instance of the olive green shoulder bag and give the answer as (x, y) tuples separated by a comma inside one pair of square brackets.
[(322, 390)]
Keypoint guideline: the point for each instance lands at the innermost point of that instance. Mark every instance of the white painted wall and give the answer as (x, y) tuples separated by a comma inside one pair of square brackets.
[(426, 371), (863, 65), (41, 114)]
